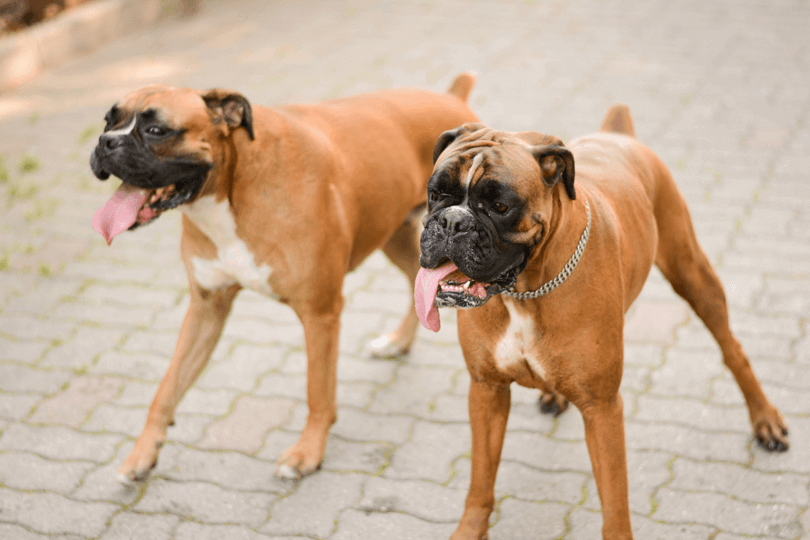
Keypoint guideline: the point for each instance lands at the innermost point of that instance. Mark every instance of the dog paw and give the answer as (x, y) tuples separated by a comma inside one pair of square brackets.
[(552, 403), (129, 475), (771, 432), (294, 465), (388, 346), (139, 463)]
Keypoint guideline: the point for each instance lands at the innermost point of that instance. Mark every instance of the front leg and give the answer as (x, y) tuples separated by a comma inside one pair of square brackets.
[(489, 403), (199, 334), (604, 434), (321, 334)]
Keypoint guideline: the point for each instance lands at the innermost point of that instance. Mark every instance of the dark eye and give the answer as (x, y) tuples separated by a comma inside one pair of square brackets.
[(157, 131), (435, 196), (500, 208)]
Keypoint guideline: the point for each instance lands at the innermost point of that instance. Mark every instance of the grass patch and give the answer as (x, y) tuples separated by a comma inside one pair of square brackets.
[(90, 132), (42, 208), (4, 176), (28, 163)]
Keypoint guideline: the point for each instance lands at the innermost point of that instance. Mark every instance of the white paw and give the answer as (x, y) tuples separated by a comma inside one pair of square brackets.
[(383, 347), (288, 473), (125, 479)]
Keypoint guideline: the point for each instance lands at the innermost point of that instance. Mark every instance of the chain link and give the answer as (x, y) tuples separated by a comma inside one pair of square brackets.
[(564, 273)]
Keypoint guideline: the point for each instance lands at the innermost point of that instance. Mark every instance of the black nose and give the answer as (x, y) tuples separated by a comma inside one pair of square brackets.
[(110, 142), (455, 221)]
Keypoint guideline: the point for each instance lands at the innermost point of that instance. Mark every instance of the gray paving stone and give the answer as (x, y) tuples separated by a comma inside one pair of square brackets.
[(324, 497), (586, 524), (688, 442), (59, 443), (747, 484), (205, 503), (50, 513), (691, 412), (83, 348), (132, 526), (242, 368), (188, 530), (229, 470), (355, 425), (28, 472), (425, 500), (546, 520), (388, 526), (686, 373), (728, 514), (17, 406), (413, 391), (429, 452), (28, 352), (146, 367), (16, 532), (350, 456)]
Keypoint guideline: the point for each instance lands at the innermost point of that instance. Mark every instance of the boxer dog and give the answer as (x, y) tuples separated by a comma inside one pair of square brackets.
[(283, 201), (550, 267)]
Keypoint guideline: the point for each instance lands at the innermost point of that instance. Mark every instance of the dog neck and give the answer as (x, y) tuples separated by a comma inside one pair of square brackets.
[(554, 261)]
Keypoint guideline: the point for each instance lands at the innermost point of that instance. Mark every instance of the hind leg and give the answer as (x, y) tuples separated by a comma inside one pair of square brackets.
[(687, 268), (403, 250)]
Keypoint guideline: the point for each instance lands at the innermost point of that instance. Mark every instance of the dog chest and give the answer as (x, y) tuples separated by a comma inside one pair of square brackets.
[(517, 349), (235, 263)]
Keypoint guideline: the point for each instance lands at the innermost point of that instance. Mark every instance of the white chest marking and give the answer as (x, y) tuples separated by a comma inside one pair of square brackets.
[(234, 263), (518, 344)]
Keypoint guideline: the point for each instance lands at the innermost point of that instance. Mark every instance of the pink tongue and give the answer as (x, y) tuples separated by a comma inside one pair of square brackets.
[(425, 291), (120, 212)]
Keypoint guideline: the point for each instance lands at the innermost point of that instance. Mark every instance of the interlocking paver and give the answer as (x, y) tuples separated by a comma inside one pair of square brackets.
[(50, 513), (43, 474), (131, 526), (315, 506), (87, 331), (205, 502)]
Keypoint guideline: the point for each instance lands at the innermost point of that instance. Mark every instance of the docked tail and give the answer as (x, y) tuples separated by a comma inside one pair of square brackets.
[(462, 86), (618, 120)]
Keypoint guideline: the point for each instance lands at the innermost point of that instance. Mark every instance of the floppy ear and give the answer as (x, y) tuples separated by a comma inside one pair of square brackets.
[(232, 107), (449, 137), (556, 165)]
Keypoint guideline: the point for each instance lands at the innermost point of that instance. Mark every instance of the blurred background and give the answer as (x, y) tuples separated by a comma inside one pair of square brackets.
[(718, 89)]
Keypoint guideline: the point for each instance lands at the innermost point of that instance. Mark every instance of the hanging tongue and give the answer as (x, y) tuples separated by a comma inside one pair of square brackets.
[(120, 212), (425, 291)]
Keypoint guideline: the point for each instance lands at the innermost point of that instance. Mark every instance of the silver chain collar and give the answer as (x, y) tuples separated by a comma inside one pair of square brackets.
[(563, 275)]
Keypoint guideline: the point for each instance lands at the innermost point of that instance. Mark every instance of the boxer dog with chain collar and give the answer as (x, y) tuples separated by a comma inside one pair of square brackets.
[(284, 201), (549, 270)]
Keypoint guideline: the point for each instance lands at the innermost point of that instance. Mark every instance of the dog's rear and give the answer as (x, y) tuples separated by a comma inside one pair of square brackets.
[(687, 268)]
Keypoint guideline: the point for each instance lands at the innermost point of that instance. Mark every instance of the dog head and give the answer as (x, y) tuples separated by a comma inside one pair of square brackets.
[(490, 200), (162, 143)]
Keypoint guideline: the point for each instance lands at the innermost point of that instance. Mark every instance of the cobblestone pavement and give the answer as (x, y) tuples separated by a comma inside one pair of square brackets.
[(718, 89)]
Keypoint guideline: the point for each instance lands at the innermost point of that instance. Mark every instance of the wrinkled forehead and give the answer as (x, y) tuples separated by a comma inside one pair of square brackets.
[(506, 163), (174, 107)]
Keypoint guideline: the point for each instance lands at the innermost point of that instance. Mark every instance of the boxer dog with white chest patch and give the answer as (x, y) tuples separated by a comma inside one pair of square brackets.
[(548, 267), (284, 201)]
